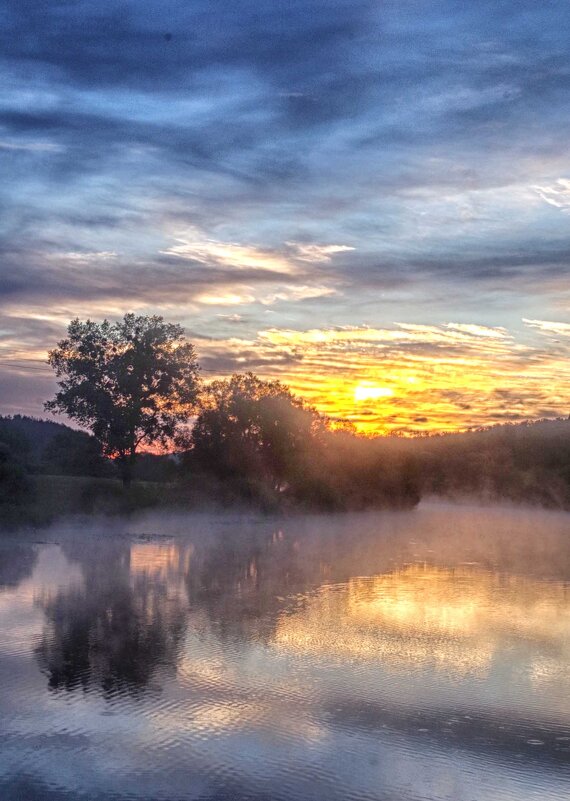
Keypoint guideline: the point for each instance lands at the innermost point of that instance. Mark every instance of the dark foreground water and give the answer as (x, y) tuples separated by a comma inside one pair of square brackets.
[(421, 655)]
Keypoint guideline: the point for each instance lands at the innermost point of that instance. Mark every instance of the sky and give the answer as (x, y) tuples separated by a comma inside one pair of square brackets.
[(367, 200)]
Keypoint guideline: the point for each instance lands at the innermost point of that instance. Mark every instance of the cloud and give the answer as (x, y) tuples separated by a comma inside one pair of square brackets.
[(445, 377), (34, 147), (551, 328), (80, 257), (232, 318), (558, 194), (479, 330), (225, 297), (449, 335), (336, 163), (317, 253), (408, 376), (227, 254), (297, 293), (189, 273)]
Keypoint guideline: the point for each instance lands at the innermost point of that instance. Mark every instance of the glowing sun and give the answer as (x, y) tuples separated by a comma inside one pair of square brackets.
[(365, 391)]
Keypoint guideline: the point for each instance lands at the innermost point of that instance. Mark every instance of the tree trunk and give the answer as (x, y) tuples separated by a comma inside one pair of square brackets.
[(126, 472), (127, 466)]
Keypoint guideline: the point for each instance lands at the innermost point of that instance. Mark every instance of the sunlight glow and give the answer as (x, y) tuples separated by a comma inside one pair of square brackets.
[(364, 392), (422, 615), (411, 378), (406, 378)]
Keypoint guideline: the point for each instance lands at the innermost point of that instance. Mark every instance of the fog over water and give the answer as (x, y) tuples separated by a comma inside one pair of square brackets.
[(405, 655)]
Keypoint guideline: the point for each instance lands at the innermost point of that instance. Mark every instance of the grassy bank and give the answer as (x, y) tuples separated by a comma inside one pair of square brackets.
[(48, 498), (51, 497)]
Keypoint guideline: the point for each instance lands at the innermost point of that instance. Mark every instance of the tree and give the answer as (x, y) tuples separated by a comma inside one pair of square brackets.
[(255, 429), (131, 382)]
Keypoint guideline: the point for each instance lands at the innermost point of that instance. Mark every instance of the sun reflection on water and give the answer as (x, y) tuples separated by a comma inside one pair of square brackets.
[(160, 560), (452, 619)]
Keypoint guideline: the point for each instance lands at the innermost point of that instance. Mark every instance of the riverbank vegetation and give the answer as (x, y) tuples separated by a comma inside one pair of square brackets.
[(294, 462), (254, 445)]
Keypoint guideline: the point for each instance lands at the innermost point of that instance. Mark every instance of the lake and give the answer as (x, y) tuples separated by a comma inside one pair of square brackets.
[(410, 655)]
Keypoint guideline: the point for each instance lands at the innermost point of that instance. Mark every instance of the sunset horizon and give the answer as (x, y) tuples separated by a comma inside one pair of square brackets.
[(407, 379), (367, 202)]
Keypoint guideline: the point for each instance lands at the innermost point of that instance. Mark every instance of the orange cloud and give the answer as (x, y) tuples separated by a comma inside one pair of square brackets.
[(410, 377)]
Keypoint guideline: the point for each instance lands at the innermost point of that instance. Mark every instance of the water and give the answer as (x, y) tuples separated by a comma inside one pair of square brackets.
[(421, 655)]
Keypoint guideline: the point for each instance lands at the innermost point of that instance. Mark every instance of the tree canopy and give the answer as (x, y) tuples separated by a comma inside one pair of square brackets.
[(251, 427), (259, 438), (131, 382)]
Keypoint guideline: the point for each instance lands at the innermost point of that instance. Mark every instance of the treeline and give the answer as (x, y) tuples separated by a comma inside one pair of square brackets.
[(43, 447), (254, 443), (526, 462), (48, 470)]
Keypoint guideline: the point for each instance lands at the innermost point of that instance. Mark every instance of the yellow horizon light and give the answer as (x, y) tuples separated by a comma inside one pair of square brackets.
[(365, 391)]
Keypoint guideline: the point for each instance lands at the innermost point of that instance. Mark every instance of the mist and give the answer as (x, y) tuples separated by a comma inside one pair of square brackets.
[(433, 639)]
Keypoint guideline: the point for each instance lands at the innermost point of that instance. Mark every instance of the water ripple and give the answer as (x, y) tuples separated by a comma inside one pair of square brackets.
[(314, 659)]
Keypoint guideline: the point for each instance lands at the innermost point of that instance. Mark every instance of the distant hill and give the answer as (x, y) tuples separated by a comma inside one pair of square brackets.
[(43, 446), (37, 434)]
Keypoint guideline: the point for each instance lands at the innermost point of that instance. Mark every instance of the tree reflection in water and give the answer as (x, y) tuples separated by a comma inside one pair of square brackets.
[(300, 587), (127, 618), (241, 583), (231, 657), (115, 630)]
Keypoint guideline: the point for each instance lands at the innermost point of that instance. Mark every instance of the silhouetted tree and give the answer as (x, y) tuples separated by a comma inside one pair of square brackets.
[(255, 429), (264, 442), (131, 382)]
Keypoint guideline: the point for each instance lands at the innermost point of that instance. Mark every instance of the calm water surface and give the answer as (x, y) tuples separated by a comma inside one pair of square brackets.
[(421, 655)]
